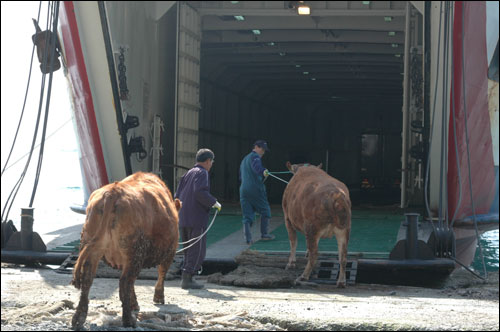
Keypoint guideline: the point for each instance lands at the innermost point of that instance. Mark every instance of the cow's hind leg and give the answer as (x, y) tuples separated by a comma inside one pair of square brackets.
[(83, 276), (133, 301), (292, 237), (127, 293), (312, 239), (342, 241), (159, 296)]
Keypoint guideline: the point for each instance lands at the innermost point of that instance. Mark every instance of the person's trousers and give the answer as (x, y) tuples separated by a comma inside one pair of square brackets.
[(254, 204), (194, 255)]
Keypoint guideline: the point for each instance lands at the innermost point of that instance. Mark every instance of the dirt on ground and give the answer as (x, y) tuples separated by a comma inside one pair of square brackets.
[(38, 298)]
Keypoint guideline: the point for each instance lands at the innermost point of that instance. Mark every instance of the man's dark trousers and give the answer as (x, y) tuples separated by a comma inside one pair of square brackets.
[(193, 256)]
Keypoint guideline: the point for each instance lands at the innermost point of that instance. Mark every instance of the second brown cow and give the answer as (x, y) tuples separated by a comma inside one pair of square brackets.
[(319, 206), (131, 224)]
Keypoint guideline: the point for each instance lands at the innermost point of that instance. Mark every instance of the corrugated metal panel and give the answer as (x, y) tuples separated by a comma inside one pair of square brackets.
[(188, 93)]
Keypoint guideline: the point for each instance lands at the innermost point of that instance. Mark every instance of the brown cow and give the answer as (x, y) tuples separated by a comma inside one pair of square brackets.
[(317, 205), (131, 224)]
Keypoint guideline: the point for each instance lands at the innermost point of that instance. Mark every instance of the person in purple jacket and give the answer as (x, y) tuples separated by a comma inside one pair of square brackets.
[(194, 193)]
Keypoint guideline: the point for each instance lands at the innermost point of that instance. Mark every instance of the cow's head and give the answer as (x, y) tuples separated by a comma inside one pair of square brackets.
[(293, 168), (178, 204)]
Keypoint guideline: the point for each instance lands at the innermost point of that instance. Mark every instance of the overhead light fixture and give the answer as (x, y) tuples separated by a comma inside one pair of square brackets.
[(271, 44), (239, 18), (388, 18), (298, 66), (313, 79), (235, 2), (394, 45), (303, 9), (282, 53), (306, 73), (397, 55), (256, 32), (391, 33), (365, 2)]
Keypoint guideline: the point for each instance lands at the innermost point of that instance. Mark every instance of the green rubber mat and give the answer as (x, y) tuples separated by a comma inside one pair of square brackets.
[(371, 231)]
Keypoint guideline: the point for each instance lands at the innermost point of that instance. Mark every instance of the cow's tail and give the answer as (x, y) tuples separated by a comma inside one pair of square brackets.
[(92, 251), (340, 206)]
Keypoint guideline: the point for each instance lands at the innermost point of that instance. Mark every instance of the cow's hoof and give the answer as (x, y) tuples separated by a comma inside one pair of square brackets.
[(77, 322), (341, 284), (159, 300), (301, 279), (290, 266), (129, 321)]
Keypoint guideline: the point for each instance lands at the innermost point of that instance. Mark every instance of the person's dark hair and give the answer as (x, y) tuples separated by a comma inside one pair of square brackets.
[(204, 154)]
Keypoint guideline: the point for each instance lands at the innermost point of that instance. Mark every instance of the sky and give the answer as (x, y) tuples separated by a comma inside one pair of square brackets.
[(60, 169)]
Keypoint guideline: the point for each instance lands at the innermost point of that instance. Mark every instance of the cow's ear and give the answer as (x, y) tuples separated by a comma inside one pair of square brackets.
[(178, 204), (289, 166), (320, 165)]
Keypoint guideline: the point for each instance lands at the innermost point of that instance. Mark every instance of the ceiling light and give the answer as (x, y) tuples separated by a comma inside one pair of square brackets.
[(313, 79), (394, 45), (234, 2), (365, 2), (256, 32), (397, 55), (271, 44), (306, 73), (391, 33), (239, 18), (303, 9), (388, 18), (282, 53), (298, 66)]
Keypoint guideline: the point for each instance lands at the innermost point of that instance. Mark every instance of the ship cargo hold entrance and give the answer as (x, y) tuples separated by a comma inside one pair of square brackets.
[(322, 88), (342, 86)]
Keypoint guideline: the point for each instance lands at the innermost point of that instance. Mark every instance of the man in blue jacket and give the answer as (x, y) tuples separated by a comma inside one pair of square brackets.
[(253, 196), (194, 193)]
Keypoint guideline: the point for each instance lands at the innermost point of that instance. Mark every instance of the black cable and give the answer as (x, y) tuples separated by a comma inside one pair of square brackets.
[(52, 43), (25, 97), (18, 184)]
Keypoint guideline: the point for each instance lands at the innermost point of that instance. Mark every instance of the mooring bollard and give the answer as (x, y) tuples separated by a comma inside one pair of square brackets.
[(412, 235), (27, 228)]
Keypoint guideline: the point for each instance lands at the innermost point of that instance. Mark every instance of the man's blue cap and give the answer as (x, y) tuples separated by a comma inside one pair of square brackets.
[(261, 144)]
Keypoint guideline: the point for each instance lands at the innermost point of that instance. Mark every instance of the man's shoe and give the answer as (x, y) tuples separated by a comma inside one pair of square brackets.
[(250, 242), (267, 237), (188, 282)]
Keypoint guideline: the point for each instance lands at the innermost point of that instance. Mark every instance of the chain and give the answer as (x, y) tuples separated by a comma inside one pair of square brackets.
[(121, 75)]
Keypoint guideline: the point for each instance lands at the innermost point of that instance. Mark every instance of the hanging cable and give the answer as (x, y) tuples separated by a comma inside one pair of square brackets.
[(443, 230), (52, 46), (36, 146), (25, 97), (18, 184)]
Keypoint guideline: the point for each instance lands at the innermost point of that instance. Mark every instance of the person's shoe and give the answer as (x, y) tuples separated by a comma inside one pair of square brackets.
[(267, 237), (250, 242), (188, 282)]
